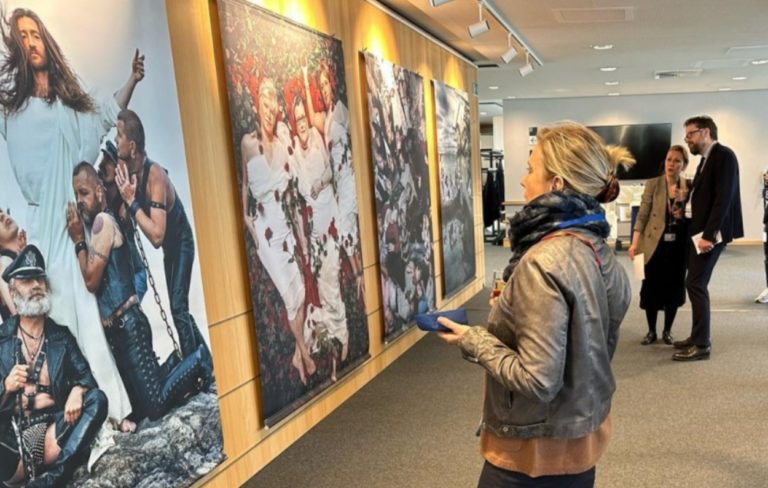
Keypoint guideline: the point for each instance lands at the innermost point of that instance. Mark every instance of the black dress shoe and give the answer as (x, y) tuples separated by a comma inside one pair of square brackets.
[(684, 344), (649, 338), (666, 337), (693, 353)]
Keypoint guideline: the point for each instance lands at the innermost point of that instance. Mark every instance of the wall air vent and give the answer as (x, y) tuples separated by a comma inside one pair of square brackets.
[(593, 15), (677, 73)]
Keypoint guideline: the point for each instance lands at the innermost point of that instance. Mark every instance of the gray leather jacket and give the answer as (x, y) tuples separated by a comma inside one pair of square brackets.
[(550, 340)]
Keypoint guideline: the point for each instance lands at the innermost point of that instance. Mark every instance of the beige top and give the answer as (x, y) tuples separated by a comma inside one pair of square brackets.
[(546, 456)]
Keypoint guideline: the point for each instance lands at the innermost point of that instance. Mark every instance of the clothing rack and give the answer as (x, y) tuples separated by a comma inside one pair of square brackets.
[(493, 196)]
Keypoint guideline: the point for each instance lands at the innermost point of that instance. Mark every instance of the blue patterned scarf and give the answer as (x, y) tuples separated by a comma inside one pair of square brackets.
[(551, 212)]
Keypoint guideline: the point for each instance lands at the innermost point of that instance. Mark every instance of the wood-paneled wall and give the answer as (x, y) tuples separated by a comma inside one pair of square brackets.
[(197, 54)]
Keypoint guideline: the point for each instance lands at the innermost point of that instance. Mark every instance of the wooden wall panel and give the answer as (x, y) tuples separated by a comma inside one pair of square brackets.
[(238, 362), (199, 72)]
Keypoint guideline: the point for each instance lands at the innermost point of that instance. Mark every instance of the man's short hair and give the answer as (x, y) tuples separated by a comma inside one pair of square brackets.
[(85, 166), (704, 122), (133, 128), (90, 172)]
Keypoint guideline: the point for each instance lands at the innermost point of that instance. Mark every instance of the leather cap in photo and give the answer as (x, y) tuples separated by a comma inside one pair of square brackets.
[(110, 151), (28, 264)]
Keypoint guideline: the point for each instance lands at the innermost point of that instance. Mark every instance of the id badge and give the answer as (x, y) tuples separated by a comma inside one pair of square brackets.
[(669, 237)]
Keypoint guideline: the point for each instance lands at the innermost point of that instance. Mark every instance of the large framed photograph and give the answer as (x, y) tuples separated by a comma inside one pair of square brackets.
[(290, 127), (454, 152), (103, 298), (399, 154)]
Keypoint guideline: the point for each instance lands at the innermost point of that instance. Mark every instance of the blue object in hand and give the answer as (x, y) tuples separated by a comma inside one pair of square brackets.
[(428, 321)]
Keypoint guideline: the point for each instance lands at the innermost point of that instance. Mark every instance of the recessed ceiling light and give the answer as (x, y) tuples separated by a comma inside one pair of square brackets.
[(493, 87), (602, 47), (725, 88), (614, 94), (759, 61), (483, 113), (739, 78), (608, 69), (511, 97), (611, 83)]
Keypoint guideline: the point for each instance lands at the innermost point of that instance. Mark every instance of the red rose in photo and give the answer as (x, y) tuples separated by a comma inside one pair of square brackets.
[(268, 233), (332, 230), (286, 167), (277, 195), (285, 246), (260, 208)]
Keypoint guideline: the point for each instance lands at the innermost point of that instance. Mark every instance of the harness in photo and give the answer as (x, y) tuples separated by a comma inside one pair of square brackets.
[(158, 205)]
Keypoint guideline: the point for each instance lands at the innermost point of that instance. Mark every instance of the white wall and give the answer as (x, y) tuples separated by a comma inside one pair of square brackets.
[(741, 119), (498, 133), (486, 141)]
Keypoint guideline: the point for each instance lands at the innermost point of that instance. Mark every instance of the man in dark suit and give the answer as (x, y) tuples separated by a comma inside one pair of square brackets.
[(714, 220)]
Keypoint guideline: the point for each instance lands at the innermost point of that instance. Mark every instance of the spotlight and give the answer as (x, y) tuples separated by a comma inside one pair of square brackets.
[(437, 3), (480, 27), (510, 53), (527, 68)]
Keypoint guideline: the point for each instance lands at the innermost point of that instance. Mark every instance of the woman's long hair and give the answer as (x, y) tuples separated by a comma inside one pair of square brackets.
[(17, 76)]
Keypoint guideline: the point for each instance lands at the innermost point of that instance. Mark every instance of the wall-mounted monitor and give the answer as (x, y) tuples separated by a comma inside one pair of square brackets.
[(648, 143)]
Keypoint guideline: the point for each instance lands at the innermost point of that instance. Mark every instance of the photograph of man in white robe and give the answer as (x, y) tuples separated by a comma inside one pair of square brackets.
[(50, 124)]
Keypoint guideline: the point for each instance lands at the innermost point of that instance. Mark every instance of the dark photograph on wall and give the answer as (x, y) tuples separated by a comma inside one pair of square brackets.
[(399, 154), (455, 163), (290, 127), (104, 355)]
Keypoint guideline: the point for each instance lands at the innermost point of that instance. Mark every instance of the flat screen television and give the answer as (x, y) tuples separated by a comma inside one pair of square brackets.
[(648, 143)]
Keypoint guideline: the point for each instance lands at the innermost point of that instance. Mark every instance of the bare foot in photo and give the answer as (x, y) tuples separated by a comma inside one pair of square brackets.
[(309, 365), (299, 365), (127, 427)]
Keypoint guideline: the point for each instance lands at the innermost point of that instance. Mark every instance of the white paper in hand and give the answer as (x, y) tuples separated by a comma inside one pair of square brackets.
[(638, 266), (696, 238)]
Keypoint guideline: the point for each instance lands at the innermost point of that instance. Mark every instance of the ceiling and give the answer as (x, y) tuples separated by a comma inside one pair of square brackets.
[(707, 42)]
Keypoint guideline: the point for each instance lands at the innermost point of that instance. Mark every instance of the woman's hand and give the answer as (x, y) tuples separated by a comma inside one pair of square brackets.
[(632, 251), (457, 330)]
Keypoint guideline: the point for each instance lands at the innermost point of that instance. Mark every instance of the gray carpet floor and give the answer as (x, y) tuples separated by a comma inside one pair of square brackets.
[(702, 424)]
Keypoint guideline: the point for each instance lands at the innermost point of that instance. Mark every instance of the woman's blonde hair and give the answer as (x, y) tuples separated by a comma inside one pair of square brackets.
[(582, 159)]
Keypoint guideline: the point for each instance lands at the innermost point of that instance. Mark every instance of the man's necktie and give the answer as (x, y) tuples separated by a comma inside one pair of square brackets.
[(699, 168)]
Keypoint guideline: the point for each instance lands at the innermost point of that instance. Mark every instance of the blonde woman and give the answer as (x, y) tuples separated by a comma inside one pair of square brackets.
[(553, 330)]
